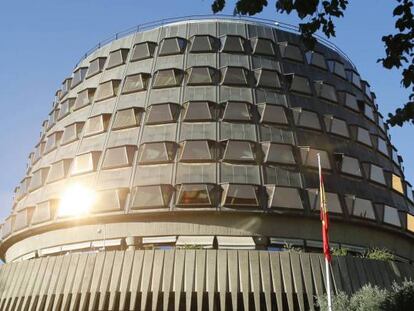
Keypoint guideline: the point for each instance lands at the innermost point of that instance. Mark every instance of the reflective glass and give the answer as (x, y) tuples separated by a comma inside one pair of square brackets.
[(135, 83), (117, 58), (196, 150), (193, 194), (167, 78), (234, 76), (239, 151), (143, 50), (237, 111), (241, 195), (170, 46), (127, 118), (197, 111), (157, 153)]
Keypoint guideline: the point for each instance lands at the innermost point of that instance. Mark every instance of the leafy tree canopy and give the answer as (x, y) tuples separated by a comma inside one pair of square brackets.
[(320, 15)]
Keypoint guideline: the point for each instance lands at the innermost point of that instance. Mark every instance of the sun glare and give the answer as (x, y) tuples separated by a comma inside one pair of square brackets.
[(77, 200)]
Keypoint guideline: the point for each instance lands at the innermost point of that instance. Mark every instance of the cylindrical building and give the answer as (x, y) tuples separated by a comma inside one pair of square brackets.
[(178, 171)]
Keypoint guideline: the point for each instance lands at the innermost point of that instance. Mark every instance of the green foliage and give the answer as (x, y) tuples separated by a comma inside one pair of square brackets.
[(340, 251), (340, 302), (379, 254), (290, 248), (400, 298)]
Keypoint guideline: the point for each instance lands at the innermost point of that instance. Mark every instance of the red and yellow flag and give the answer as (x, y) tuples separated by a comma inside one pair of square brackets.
[(324, 218)]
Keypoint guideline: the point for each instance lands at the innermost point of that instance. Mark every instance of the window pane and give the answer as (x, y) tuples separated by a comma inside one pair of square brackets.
[(118, 157), (143, 50), (194, 194), (72, 132), (354, 78), (236, 111), (172, 46), (232, 44), (201, 76), (334, 204), (196, 173), (58, 170), (162, 113), (84, 98), (325, 91), (272, 114), (391, 216), (277, 135), (397, 184), (135, 83), (363, 208), (157, 153), (240, 195), (127, 118), (267, 78), (309, 157), (97, 124), (66, 108), (410, 222), (382, 146), (299, 84), (197, 111), (117, 58), (152, 197), (337, 68), (276, 175), (276, 153), (336, 126), (85, 163), (239, 151), (316, 59), (167, 78), (364, 137), (79, 76), (203, 44), (306, 118), (234, 76), (377, 174), (351, 101), (53, 141), (263, 46), (241, 174), (283, 197), (291, 52), (96, 66), (196, 150), (107, 90), (350, 165)]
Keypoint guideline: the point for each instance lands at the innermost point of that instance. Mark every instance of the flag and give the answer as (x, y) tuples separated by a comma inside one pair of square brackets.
[(324, 217)]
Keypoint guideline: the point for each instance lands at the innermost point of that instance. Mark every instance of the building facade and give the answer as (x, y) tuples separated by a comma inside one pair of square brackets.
[(178, 171)]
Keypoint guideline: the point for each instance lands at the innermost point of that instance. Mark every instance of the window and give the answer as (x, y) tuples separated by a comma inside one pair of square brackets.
[(44, 211), (337, 68), (354, 78), (38, 151), (363, 136), (97, 124), (58, 170), (239, 151), (143, 50), (350, 101), (24, 187), (410, 194), (107, 90), (198, 150), (162, 113), (316, 59), (85, 163), (109, 201), (204, 44), (237, 111), (38, 178), (397, 184), (382, 146), (53, 141), (96, 66), (298, 84), (282, 176), (375, 173), (277, 153), (84, 98), (66, 108), (117, 58), (235, 195), (232, 44), (78, 76), (151, 153), (72, 132), (65, 87), (360, 207), (198, 111), (158, 196), (126, 118), (135, 83), (290, 51), (53, 117), (369, 112), (277, 135), (336, 126), (391, 216), (240, 174), (334, 204), (305, 118), (118, 157), (310, 158), (202, 76), (196, 173), (237, 76), (267, 78), (367, 90), (283, 197), (325, 91), (272, 114), (196, 195), (171, 46), (348, 165), (167, 78), (410, 222), (262, 46)]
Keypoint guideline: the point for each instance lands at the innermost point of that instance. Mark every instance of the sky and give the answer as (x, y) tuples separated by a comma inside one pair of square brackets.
[(42, 40)]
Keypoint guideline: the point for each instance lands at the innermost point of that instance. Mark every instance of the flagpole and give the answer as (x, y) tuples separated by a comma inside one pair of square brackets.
[(328, 279)]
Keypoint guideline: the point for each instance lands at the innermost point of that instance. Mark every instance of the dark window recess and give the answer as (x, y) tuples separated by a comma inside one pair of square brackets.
[(354, 78), (162, 113), (237, 76), (334, 205), (325, 91), (281, 176), (267, 78), (348, 165), (118, 157), (171, 46), (284, 197), (72, 132), (272, 114), (316, 59), (196, 195), (107, 90), (135, 83), (298, 84), (305, 118), (143, 50), (158, 196), (290, 51), (360, 207), (204, 44), (363, 136), (262, 46), (233, 44), (350, 101), (53, 141), (237, 111), (66, 85), (96, 66), (202, 76), (66, 107), (167, 78), (152, 153), (236, 195), (84, 98), (239, 151), (199, 111), (278, 153), (97, 124), (336, 126), (127, 118), (337, 68), (309, 157), (117, 58), (198, 151), (78, 76)]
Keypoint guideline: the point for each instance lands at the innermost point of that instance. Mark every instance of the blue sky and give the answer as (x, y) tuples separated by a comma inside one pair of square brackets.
[(42, 40)]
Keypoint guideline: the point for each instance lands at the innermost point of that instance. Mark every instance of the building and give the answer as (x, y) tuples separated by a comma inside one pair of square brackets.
[(179, 161)]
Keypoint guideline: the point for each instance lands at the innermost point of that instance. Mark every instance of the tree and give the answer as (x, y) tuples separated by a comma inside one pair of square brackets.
[(319, 15)]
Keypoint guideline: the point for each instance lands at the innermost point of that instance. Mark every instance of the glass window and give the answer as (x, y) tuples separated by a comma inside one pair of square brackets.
[(38, 178), (126, 118), (391, 216), (167, 78), (283, 197), (367, 90), (96, 66), (240, 174), (325, 91), (198, 150), (237, 76), (305, 118), (397, 184), (84, 98), (350, 101), (196, 173), (151, 153), (360, 207), (85, 163), (66, 107), (272, 114), (363, 136), (24, 187), (153, 174), (267, 78), (298, 84), (354, 78), (107, 90), (204, 44), (369, 112), (239, 151), (410, 222), (135, 83), (290, 51), (337, 68), (237, 111), (58, 170), (162, 113), (53, 117), (206, 130), (117, 58), (78, 76), (171, 46), (376, 174), (97, 124), (310, 158), (158, 196), (277, 135), (232, 44), (202, 76), (53, 141), (349, 165), (334, 204), (410, 194), (118, 157), (143, 50), (336, 126), (277, 153), (72, 132), (282, 176), (382, 146), (316, 59), (194, 195), (235, 195), (65, 87), (198, 111), (262, 46)]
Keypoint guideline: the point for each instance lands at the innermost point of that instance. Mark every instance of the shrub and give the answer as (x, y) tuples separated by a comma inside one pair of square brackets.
[(340, 251), (400, 298), (379, 254), (290, 248), (340, 302)]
